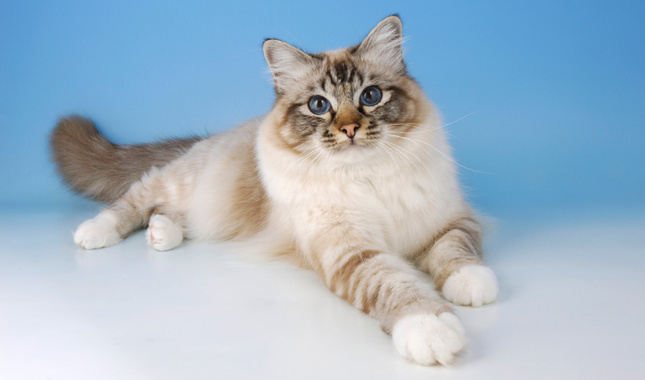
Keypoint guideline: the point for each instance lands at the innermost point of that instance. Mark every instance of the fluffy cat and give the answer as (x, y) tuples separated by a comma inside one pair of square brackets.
[(350, 172)]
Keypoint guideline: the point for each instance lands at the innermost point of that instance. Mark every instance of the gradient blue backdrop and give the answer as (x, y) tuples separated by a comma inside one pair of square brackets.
[(559, 86)]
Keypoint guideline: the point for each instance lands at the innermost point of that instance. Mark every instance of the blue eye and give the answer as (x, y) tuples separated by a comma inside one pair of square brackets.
[(318, 105), (371, 96)]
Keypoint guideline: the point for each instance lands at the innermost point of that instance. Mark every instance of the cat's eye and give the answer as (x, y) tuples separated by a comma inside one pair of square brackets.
[(318, 105), (371, 96)]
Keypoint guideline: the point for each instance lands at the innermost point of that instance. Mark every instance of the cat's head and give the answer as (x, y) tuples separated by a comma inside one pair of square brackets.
[(345, 102)]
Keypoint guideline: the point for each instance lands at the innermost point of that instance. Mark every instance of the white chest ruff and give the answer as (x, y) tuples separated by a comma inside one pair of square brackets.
[(401, 205), (400, 200), (415, 209)]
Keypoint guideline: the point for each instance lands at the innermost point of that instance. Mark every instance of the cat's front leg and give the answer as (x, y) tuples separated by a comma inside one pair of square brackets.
[(454, 259), (388, 288)]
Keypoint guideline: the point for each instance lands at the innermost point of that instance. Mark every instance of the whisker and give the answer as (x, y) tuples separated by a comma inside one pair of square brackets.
[(441, 126), (416, 141), (461, 118), (420, 161), (309, 154), (431, 198), (406, 160)]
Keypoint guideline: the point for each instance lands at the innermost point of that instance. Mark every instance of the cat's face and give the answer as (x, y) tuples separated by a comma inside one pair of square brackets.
[(346, 103)]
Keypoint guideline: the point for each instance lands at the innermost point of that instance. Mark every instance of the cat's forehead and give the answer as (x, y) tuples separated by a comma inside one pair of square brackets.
[(339, 70), (344, 67), (340, 74)]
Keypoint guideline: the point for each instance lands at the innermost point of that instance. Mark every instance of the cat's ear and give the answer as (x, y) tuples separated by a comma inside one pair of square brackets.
[(384, 44), (287, 63)]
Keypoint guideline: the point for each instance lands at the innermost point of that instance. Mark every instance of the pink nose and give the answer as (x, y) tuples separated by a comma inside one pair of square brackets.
[(349, 129)]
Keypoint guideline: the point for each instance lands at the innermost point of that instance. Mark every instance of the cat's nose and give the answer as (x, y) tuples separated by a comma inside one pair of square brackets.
[(349, 129)]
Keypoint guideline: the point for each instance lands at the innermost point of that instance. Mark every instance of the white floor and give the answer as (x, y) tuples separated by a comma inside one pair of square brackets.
[(572, 306)]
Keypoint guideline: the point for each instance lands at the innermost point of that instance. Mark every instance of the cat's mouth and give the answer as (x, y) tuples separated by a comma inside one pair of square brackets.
[(349, 145)]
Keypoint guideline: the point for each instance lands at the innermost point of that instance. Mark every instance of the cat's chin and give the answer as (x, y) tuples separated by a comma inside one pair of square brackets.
[(353, 147), (352, 153)]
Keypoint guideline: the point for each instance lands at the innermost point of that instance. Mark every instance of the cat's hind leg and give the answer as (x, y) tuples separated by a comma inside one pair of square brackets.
[(454, 259), (165, 229), (129, 213), (98, 232)]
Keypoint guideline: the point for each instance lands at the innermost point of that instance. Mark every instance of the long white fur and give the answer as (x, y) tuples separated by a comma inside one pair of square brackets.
[(397, 198)]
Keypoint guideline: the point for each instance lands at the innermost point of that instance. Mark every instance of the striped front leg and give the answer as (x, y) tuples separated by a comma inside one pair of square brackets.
[(389, 289), (454, 259)]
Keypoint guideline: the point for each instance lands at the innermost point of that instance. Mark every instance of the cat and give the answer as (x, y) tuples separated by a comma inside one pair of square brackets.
[(350, 172)]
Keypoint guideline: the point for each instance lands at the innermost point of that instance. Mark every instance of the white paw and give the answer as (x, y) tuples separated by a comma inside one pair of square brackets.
[(97, 233), (472, 285), (427, 339), (163, 234)]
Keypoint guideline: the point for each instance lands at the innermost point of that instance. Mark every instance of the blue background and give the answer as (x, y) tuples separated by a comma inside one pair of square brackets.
[(558, 87)]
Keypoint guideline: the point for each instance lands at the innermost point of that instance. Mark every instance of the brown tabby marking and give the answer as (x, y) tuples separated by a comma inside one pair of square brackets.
[(381, 285), (341, 276), (342, 74), (456, 245)]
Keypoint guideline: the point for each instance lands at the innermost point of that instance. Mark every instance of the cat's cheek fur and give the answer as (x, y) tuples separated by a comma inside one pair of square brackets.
[(98, 232), (427, 339), (472, 285)]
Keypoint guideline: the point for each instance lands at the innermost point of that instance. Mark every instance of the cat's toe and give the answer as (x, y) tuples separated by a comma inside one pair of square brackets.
[(163, 234), (471, 285), (96, 233), (427, 339)]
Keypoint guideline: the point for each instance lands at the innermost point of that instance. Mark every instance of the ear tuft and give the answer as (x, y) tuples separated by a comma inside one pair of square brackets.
[(385, 44), (287, 63)]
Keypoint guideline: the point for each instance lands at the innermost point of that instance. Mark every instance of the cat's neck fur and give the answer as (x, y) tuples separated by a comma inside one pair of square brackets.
[(397, 187)]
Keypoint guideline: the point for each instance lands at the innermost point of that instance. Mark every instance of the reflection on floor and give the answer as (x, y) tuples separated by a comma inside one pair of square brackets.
[(571, 306)]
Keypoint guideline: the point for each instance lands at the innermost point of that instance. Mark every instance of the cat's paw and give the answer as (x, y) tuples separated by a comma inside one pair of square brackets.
[(472, 285), (163, 234), (96, 233), (427, 339)]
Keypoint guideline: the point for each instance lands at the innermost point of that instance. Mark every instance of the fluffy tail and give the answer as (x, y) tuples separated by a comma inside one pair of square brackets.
[(93, 166)]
